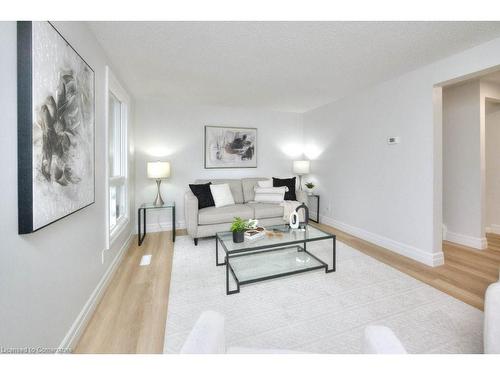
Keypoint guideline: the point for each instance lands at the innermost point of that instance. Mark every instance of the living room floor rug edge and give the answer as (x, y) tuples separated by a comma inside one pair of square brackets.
[(318, 312)]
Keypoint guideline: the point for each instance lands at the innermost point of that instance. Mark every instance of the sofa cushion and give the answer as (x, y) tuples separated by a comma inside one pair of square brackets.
[(265, 183), (266, 210), (234, 185), (249, 185), (270, 195), (226, 214)]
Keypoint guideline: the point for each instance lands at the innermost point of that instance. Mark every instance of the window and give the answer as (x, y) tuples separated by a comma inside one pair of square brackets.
[(117, 104)]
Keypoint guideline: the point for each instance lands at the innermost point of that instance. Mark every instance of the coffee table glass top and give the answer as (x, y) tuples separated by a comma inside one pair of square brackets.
[(277, 235)]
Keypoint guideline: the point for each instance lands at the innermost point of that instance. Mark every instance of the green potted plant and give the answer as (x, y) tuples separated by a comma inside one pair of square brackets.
[(310, 186), (238, 227)]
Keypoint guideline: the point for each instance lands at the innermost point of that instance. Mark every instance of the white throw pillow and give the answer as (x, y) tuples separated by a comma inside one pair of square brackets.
[(270, 194), (222, 195), (265, 183)]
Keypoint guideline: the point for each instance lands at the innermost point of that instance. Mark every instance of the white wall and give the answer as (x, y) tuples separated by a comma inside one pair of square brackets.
[(390, 195), (176, 134), (462, 187), (493, 166), (47, 278)]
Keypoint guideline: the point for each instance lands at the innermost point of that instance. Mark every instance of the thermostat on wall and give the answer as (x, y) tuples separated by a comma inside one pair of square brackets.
[(393, 140)]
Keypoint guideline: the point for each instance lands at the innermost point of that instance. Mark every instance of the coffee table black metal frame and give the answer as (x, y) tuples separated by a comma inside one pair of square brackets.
[(268, 248)]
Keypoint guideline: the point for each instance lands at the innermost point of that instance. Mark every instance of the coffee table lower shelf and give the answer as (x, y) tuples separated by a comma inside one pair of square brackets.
[(256, 266)]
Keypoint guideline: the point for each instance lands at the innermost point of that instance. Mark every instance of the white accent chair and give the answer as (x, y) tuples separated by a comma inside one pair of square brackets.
[(208, 334), (208, 337), (381, 340), (491, 330)]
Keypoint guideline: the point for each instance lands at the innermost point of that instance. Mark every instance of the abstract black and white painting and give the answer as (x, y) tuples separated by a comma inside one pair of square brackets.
[(56, 111), (227, 147)]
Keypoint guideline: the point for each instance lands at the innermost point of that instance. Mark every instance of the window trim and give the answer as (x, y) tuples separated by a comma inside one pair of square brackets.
[(112, 85)]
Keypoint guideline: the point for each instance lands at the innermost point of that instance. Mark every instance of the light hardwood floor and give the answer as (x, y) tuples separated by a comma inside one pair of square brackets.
[(132, 313)]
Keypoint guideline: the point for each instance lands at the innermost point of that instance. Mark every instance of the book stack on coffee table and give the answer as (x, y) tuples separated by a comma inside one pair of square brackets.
[(256, 233)]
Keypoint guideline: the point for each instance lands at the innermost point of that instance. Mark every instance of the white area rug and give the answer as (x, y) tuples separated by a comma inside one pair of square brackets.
[(318, 312)]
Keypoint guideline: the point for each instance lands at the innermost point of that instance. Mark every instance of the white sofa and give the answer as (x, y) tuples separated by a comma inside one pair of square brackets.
[(206, 222), (208, 334)]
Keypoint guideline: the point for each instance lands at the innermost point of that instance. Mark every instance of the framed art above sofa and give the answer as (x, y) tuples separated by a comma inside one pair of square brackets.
[(230, 147)]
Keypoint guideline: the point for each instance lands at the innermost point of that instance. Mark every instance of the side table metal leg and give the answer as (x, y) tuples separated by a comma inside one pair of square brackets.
[(173, 224), (139, 227), (142, 235)]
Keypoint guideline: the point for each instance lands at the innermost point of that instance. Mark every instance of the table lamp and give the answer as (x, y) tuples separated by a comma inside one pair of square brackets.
[(300, 168), (158, 170)]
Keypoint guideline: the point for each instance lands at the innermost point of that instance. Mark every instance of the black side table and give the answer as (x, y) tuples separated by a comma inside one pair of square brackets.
[(150, 206), (316, 198)]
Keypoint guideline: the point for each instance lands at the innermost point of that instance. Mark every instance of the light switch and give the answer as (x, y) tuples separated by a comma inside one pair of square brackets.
[(393, 140)]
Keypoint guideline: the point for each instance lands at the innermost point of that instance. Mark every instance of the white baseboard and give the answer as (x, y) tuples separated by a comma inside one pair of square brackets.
[(428, 258), (78, 326), (493, 228), (163, 226), (469, 241)]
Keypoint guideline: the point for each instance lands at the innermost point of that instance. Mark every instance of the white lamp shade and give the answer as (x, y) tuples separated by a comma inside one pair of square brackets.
[(158, 169), (301, 167)]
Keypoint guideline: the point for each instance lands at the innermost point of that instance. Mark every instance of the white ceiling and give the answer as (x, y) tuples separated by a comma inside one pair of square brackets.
[(288, 66)]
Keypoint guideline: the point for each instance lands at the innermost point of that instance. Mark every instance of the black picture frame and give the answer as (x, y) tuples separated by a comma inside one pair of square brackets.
[(242, 129), (25, 151)]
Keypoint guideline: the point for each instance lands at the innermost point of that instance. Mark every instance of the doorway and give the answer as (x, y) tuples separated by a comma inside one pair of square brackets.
[(471, 160), (492, 172)]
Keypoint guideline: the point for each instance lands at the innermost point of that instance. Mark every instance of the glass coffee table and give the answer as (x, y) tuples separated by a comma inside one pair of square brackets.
[(280, 252)]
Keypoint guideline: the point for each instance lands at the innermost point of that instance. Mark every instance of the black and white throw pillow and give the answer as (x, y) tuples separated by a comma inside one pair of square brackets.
[(290, 184)]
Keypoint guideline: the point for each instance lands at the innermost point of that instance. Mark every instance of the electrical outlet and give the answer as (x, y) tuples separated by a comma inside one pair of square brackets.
[(102, 256)]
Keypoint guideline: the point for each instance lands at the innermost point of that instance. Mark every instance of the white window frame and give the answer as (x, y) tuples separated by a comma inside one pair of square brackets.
[(113, 86)]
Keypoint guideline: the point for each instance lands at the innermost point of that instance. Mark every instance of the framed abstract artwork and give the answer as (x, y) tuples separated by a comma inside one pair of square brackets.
[(56, 130), (228, 147)]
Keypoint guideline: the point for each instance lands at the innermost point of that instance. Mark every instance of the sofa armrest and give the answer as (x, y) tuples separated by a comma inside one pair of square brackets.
[(302, 197), (492, 319), (191, 213), (381, 340), (207, 335)]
